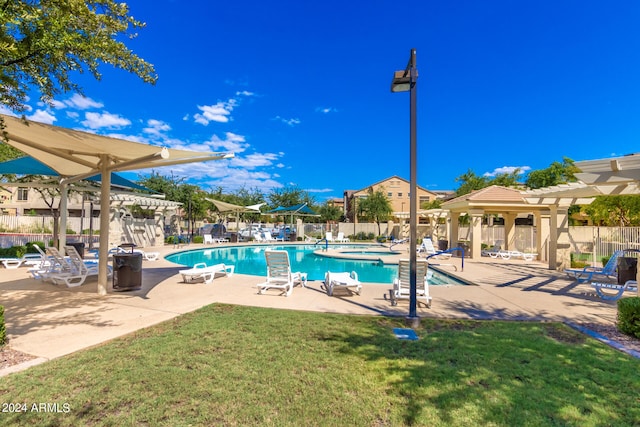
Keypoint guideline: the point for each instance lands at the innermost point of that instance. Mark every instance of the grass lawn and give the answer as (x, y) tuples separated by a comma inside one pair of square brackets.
[(233, 365)]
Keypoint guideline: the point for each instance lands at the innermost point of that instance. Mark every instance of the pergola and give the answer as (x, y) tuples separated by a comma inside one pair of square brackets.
[(76, 155)]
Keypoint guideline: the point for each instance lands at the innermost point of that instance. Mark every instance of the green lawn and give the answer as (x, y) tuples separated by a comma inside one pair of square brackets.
[(233, 365)]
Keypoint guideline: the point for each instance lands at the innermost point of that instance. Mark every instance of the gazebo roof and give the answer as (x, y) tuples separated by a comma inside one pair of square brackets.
[(494, 198)]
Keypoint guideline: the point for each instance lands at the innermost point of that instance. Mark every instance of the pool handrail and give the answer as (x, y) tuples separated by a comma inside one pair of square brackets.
[(326, 243), (459, 248)]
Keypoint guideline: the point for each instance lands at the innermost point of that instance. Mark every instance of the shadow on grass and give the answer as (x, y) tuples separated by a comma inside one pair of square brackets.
[(499, 373)]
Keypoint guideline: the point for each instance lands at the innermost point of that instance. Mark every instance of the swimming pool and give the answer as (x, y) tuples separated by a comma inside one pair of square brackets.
[(250, 260)]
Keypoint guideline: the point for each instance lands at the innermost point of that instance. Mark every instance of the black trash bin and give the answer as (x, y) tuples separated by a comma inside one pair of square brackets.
[(627, 269), (443, 245), (233, 237), (127, 271), (79, 248)]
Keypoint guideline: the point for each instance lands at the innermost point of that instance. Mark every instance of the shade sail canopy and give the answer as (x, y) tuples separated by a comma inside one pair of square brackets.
[(29, 166), (301, 210), (76, 155), (72, 153), (224, 207)]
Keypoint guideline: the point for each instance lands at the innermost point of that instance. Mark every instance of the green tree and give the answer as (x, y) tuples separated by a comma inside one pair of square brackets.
[(329, 212), (618, 210), (43, 43), (469, 182), (557, 173), (376, 206)]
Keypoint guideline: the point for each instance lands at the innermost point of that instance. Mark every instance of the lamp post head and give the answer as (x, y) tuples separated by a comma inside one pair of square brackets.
[(401, 81)]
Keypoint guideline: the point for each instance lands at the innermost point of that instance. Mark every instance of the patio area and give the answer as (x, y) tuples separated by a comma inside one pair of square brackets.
[(49, 321)]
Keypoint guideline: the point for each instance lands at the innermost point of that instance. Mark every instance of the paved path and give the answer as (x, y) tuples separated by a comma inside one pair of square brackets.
[(50, 321)]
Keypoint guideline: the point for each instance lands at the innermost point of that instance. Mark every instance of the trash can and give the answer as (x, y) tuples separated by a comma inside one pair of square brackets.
[(293, 236), (127, 271), (79, 248), (627, 269), (233, 237), (443, 245)]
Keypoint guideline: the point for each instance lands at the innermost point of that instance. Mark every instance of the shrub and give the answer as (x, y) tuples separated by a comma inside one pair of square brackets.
[(32, 250), (13, 252), (198, 239), (171, 240), (3, 329), (629, 316)]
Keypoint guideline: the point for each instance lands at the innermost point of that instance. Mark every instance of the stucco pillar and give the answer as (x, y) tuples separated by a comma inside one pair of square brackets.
[(454, 223), (563, 245), (543, 225), (476, 232), (509, 230)]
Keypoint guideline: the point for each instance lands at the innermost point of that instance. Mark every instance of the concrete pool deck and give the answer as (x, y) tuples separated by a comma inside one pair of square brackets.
[(49, 321)]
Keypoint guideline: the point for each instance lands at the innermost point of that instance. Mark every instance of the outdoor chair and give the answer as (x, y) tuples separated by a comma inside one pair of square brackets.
[(341, 238), (207, 274), (494, 252), (586, 274), (26, 259), (279, 275), (401, 284), (618, 290), (430, 251), (527, 256), (347, 281)]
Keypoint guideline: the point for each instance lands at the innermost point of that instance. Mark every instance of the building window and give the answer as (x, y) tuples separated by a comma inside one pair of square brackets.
[(23, 194), (399, 194), (389, 194)]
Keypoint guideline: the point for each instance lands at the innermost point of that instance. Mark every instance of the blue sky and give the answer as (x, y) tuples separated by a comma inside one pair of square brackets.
[(299, 91)]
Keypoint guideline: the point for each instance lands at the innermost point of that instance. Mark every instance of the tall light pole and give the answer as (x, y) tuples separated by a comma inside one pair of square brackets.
[(407, 81)]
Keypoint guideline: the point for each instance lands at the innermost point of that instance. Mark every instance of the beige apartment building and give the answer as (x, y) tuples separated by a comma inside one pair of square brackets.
[(397, 191)]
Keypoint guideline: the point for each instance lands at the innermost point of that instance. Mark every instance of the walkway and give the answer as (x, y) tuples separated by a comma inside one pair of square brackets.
[(51, 321)]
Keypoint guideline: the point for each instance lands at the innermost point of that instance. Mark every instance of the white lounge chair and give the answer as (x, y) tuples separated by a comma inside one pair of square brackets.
[(208, 239), (207, 274), (430, 251), (73, 274), (329, 237), (269, 238), (341, 238), (527, 256), (148, 256), (27, 259), (279, 275), (258, 237), (402, 285), (494, 251), (348, 281)]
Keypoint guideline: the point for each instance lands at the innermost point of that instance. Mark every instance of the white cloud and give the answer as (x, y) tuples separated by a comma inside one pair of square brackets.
[(507, 170), (320, 190), (244, 93), (156, 128), (42, 116), (82, 102), (254, 160), (104, 120), (326, 110), (219, 112), (290, 122), (232, 142)]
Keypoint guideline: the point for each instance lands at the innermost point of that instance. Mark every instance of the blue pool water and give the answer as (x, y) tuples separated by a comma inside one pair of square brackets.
[(250, 260)]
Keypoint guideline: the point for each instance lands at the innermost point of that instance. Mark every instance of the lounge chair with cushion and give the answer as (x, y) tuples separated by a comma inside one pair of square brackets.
[(617, 290), (347, 281), (586, 274), (201, 271), (401, 284), (279, 274)]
